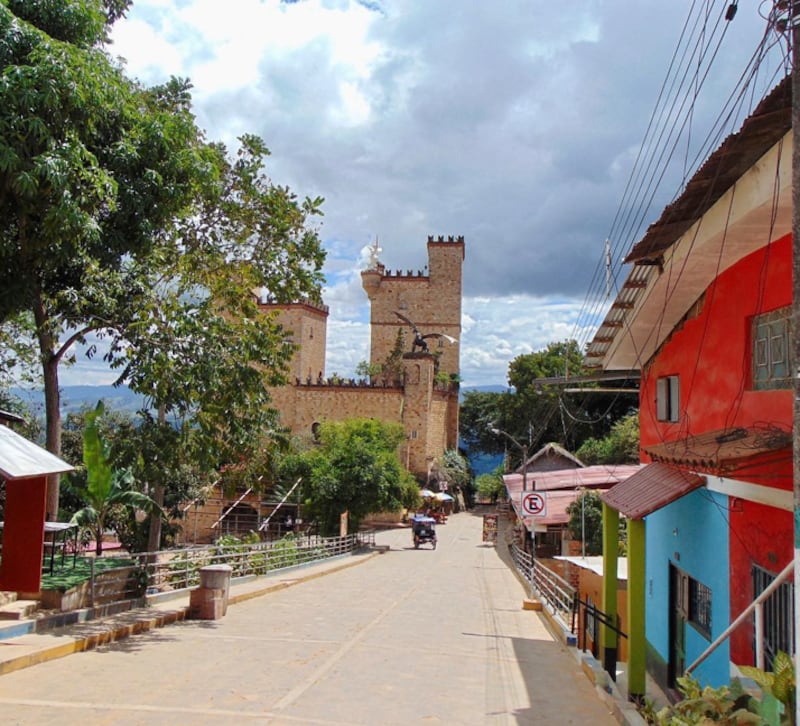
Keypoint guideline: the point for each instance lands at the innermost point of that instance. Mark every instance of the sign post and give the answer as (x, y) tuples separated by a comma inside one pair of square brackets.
[(534, 504)]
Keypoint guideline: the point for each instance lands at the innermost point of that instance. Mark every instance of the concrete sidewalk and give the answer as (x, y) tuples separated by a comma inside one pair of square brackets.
[(22, 645)]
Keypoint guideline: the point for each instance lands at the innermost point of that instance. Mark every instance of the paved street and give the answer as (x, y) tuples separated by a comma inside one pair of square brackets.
[(407, 637)]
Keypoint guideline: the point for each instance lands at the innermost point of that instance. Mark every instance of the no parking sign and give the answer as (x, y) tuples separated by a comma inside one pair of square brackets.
[(534, 504)]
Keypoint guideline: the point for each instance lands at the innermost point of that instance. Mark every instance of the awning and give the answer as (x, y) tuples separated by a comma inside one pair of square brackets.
[(724, 450), (22, 459), (652, 487)]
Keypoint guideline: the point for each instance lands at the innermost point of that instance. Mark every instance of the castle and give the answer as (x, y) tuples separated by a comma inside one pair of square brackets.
[(421, 394)]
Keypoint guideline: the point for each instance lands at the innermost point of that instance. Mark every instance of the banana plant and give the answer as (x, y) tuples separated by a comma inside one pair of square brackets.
[(106, 488)]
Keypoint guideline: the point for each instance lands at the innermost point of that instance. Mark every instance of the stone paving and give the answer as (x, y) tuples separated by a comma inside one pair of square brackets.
[(404, 637)]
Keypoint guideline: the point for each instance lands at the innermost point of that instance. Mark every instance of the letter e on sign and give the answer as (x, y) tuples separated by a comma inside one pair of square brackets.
[(534, 504)]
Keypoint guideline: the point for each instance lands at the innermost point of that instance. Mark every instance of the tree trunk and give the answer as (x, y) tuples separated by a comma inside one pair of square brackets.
[(52, 400), (154, 533)]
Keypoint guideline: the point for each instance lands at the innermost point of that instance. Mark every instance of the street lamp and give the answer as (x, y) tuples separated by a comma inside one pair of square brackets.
[(522, 447)]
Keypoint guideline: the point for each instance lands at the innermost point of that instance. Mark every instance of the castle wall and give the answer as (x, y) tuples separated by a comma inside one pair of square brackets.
[(421, 407)]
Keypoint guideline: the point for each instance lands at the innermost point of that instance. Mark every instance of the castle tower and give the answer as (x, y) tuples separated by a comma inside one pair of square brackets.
[(431, 301), (306, 325)]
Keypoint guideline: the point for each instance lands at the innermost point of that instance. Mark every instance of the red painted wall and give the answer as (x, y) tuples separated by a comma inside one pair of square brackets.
[(711, 353), (23, 535)]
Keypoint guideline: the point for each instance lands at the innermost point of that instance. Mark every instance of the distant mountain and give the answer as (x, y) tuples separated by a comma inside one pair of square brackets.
[(75, 398), (493, 388)]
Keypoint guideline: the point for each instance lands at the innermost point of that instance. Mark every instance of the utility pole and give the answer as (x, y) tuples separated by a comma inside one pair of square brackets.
[(794, 30)]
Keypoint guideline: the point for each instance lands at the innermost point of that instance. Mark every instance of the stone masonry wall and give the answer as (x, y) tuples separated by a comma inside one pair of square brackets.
[(431, 301)]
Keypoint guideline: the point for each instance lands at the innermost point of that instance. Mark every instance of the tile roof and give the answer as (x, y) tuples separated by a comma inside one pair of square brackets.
[(653, 487), (724, 450)]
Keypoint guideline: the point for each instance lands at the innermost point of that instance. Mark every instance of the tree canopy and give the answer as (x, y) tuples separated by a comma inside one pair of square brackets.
[(535, 413), (119, 219), (353, 468)]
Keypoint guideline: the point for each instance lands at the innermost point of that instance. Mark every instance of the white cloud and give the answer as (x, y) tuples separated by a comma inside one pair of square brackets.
[(515, 124)]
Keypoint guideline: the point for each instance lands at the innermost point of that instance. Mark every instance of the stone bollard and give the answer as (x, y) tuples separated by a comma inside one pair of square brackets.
[(210, 600)]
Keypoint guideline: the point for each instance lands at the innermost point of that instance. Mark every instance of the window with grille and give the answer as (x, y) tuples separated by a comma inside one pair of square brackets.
[(778, 610), (700, 606), (771, 333), (693, 601)]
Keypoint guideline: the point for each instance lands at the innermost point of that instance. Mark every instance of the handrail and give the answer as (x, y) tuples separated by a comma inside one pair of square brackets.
[(232, 507), (265, 523), (753, 606)]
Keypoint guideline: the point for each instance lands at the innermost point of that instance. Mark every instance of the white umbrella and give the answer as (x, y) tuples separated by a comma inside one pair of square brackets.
[(442, 497), (426, 493)]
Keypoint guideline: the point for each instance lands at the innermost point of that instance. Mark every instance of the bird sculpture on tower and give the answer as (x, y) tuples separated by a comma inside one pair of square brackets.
[(419, 338)]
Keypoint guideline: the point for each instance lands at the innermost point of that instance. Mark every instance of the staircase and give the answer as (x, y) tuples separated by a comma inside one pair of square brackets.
[(13, 609)]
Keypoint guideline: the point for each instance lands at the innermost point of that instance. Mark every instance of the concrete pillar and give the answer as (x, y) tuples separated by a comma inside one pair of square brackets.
[(210, 600), (637, 650), (608, 637)]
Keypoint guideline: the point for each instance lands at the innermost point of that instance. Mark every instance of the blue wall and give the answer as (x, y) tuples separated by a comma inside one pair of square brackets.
[(691, 533)]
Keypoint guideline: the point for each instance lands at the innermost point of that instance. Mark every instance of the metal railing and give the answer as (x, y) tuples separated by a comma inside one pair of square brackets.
[(756, 608), (553, 590), (178, 569)]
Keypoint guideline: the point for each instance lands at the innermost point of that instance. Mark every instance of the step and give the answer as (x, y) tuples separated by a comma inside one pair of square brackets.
[(7, 597), (19, 609)]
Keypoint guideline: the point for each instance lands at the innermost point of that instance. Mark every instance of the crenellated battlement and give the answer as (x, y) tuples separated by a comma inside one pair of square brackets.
[(450, 239)]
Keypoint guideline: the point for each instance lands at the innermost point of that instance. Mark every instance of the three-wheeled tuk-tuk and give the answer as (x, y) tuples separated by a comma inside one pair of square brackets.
[(423, 530)]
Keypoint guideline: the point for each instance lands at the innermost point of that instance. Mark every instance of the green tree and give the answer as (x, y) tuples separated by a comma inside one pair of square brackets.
[(90, 165), (354, 468), (536, 413), (621, 446), (491, 486), (586, 521), (452, 472), (106, 488), (118, 218)]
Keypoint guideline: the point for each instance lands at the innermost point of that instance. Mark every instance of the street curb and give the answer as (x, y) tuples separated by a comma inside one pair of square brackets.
[(91, 634)]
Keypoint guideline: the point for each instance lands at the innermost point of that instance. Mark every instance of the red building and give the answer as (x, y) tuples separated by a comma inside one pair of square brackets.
[(705, 315)]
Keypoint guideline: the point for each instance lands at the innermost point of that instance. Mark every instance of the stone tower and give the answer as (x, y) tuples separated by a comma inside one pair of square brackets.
[(306, 325), (431, 301)]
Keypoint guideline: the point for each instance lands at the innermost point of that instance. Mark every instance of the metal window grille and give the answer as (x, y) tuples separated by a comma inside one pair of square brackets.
[(700, 606), (778, 615)]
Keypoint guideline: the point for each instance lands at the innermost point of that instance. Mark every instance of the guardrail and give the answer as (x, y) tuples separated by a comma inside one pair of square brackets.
[(553, 591), (178, 569)]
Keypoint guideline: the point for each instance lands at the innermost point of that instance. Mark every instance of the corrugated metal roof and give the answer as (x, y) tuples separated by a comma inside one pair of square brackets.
[(556, 512), (724, 450), (22, 459), (587, 477), (761, 131), (595, 564), (653, 487)]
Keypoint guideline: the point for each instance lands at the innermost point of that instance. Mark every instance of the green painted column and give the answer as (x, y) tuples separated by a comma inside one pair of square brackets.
[(608, 638), (637, 651)]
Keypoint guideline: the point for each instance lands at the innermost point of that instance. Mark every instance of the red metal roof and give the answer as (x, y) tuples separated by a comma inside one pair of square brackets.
[(556, 512), (653, 487), (587, 477), (722, 451)]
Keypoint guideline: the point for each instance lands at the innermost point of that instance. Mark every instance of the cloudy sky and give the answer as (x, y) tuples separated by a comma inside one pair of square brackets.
[(516, 123)]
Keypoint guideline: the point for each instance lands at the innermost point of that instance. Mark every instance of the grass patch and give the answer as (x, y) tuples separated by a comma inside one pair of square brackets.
[(71, 577)]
